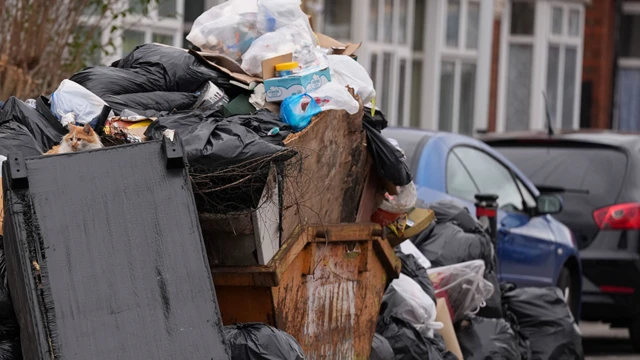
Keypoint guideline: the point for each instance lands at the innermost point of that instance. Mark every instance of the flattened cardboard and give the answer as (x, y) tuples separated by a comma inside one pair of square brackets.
[(269, 65), (448, 332), (331, 43)]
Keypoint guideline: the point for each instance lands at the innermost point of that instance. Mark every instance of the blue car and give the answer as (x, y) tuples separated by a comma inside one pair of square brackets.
[(533, 248)]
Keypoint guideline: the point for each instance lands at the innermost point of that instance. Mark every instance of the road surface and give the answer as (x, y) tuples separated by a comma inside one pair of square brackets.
[(602, 343)]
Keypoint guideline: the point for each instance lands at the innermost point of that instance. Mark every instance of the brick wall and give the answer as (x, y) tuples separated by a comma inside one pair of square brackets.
[(598, 61)]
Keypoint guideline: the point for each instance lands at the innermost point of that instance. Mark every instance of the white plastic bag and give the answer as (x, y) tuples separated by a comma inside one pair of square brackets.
[(229, 28), (332, 96), (276, 14), (346, 71), (408, 248), (71, 97), (292, 38), (405, 299), (464, 285)]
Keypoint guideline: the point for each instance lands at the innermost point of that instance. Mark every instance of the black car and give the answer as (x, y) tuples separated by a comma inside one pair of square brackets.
[(598, 176)]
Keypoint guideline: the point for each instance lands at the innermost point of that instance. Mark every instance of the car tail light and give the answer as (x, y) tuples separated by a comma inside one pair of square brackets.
[(618, 217), (611, 289)]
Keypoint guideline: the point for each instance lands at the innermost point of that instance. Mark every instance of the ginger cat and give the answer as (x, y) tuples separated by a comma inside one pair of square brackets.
[(79, 138)]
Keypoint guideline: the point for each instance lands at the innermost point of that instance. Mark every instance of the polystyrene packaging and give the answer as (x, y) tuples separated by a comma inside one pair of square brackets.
[(405, 299), (346, 71), (464, 286), (293, 38), (333, 96), (227, 29), (71, 97)]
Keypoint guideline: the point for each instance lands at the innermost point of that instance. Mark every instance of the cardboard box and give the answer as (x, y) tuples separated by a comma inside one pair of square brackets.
[(278, 88)]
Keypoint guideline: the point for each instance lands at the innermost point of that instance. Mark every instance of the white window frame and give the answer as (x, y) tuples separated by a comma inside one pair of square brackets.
[(435, 33), (540, 40)]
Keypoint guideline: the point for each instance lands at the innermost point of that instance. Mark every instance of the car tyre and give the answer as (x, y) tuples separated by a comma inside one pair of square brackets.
[(634, 334), (569, 289)]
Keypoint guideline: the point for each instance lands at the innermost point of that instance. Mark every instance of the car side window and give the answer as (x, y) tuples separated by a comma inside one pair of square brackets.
[(491, 177), (528, 198), (459, 182)]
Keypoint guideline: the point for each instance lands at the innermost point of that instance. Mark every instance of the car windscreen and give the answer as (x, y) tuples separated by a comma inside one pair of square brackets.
[(586, 178)]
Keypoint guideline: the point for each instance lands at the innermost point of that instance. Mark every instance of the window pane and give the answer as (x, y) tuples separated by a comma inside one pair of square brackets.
[(388, 21), (630, 36), (629, 99), (373, 20), (491, 177), (402, 22), (418, 25), (473, 25), (574, 23), (459, 183), (131, 39), (193, 9), (337, 18), (386, 82), (416, 93), (136, 7), (569, 88), (163, 39), (519, 87), (167, 8), (526, 195), (453, 20), (467, 98), (522, 17), (556, 21), (401, 92), (446, 96), (553, 65)]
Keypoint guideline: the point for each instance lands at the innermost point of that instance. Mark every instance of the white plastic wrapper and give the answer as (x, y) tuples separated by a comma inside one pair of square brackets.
[(276, 14), (405, 299), (293, 38), (346, 71), (71, 97), (464, 285), (403, 202), (333, 96), (229, 28)]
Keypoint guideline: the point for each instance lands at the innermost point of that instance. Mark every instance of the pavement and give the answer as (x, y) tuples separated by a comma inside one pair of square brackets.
[(600, 342)]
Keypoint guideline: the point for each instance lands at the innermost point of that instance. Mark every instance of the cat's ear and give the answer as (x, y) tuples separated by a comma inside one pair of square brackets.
[(87, 129)]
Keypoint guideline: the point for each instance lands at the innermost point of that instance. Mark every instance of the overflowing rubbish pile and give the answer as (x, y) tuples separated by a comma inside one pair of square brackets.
[(276, 130)]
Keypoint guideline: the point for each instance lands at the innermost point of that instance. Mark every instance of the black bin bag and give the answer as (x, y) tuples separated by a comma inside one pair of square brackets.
[(156, 100), (257, 341), (412, 268), (46, 133), (103, 80), (380, 348), (408, 343), (482, 339), (545, 319), (387, 159)]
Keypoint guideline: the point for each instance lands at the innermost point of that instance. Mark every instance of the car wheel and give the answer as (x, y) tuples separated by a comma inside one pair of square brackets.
[(569, 291), (634, 334)]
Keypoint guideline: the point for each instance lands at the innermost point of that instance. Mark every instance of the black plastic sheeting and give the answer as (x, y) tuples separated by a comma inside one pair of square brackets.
[(9, 329), (408, 343), (524, 347), (47, 134), (412, 268), (482, 339), (215, 142), (378, 121), (386, 157), (182, 70), (545, 319), (14, 137), (123, 270), (257, 341), (458, 237), (157, 101), (380, 348)]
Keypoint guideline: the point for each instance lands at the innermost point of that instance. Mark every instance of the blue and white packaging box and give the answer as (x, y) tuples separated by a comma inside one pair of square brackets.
[(278, 88)]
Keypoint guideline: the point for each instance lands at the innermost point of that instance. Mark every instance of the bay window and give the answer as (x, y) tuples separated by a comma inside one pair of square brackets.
[(628, 81)]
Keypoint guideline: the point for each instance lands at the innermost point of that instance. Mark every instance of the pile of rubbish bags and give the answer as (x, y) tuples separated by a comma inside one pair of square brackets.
[(453, 261)]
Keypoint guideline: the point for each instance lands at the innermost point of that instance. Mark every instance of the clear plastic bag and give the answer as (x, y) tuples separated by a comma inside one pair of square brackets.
[(71, 97), (297, 111), (406, 300), (346, 71), (464, 286), (403, 202), (228, 29), (276, 14), (293, 38), (333, 96)]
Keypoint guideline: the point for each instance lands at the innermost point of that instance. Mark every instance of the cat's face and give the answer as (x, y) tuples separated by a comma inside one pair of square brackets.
[(81, 138)]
